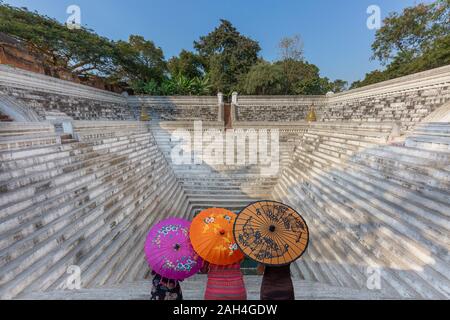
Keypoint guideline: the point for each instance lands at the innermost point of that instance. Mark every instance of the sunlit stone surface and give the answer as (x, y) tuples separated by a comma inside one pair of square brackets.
[(371, 177)]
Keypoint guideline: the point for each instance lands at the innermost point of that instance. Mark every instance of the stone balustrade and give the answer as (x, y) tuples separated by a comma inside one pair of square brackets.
[(406, 100), (43, 93)]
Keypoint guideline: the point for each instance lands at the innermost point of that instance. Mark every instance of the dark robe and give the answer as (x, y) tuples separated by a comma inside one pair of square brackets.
[(277, 284)]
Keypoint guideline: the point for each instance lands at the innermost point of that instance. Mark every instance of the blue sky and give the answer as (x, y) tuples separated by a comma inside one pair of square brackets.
[(334, 32)]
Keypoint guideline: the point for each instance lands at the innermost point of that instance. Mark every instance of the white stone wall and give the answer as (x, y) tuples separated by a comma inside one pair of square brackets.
[(407, 100), (46, 94), (177, 108)]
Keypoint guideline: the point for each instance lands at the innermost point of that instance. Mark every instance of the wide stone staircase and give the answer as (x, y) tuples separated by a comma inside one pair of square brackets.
[(221, 185), (87, 202), (374, 207)]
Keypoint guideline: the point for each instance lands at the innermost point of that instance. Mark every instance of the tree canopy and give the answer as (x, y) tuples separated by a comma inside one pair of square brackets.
[(187, 63), (225, 60), (226, 55), (79, 51), (139, 60), (414, 40)]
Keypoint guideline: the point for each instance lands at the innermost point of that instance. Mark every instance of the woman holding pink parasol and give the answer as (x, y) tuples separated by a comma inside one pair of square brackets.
[(171, 257)]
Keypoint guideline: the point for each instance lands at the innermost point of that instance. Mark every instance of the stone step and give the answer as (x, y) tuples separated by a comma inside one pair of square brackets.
[(194, 290), (81, 190), (58, 184), (321, 191), (93, 195), (430, 127), (25, 128), (48, 153), (433, 169), (36, 173), (28, 141), (408, 182), (71, 243), (343, 234), (412, 235), (428, 142), (50, 225), (99, 258), (395, 196), (405, 186)]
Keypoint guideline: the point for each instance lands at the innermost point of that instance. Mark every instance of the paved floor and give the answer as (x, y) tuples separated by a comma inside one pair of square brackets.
[(194, 288)]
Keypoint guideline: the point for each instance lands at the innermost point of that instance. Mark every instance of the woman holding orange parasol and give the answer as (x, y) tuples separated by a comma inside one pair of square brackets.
[(211, 235)]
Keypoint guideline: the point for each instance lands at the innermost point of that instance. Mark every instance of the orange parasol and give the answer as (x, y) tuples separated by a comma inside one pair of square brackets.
[(271, 233), (212, 238)]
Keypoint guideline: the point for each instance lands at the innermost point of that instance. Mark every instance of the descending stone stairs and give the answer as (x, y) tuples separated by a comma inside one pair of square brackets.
[(87, 203), (88, 199), (221, 185), (372, 205), (194, 288)]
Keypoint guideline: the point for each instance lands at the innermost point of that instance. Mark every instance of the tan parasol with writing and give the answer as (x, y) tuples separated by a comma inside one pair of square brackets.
[(271, 233)]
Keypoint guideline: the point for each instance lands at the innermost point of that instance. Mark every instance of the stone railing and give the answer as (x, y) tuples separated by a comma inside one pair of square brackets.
[(43, 94), (178, 108), (406, 100), (276, 108)]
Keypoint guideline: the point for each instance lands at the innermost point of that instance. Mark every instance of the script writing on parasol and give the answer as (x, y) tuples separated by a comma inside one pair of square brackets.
[(271, 233)]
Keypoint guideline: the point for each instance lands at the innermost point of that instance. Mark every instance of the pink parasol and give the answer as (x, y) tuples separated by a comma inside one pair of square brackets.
[(169, 251)]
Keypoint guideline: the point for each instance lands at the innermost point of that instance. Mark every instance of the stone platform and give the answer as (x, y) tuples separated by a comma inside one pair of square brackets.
[(193, 289)]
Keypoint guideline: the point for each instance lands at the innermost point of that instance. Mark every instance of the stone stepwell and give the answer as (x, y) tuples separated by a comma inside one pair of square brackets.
[(374, 207), (371, 178)]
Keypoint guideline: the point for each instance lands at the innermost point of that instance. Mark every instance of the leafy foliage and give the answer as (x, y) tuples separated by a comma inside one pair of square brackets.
[(418, 39), (187, 63), (270, 79), (227, 56), (178, 85), (79, 51), (263, 79), (139, 60)]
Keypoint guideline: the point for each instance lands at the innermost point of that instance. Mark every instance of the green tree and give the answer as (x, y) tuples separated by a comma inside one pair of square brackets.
[(187, 64), (291, 54), (80, 51), (227, 56), (415, 40), (263, 78), (139, 60), (412, 32), (338, 86)]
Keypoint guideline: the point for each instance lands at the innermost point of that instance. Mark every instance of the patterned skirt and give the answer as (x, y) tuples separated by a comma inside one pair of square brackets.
[(225, 283)]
